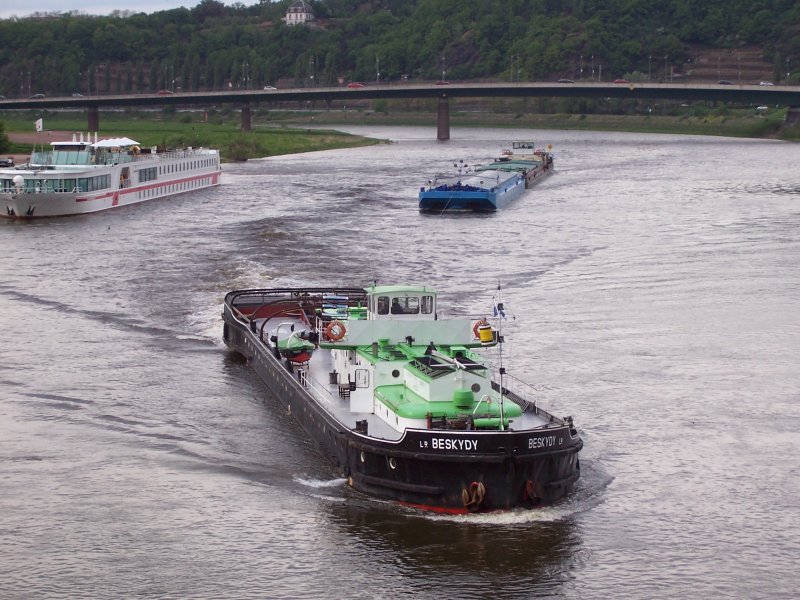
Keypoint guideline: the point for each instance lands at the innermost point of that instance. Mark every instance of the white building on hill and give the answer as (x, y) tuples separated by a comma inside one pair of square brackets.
[(298, 13)]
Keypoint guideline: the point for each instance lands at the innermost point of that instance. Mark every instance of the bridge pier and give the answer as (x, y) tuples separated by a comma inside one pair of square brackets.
[(793, 115), (247, 123), (93, 118), (443, 118)]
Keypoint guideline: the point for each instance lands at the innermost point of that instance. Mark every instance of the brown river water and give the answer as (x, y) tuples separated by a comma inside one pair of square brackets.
[(654, 282)]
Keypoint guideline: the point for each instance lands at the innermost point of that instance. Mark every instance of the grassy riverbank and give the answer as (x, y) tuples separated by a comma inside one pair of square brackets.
[(190, 129), (728, 123), (277, 132)]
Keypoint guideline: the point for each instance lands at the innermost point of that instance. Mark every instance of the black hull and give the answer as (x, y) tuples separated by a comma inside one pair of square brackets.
[(446, 471)]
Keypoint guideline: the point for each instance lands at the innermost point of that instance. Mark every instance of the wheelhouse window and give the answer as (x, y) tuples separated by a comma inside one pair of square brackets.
[(405, 305), (427, 305), (383, 305)]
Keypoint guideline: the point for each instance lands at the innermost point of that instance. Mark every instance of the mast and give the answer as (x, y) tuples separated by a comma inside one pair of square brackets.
[(498, 308)]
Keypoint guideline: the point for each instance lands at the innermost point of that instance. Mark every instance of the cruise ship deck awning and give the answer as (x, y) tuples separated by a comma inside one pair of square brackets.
[(115, 143)]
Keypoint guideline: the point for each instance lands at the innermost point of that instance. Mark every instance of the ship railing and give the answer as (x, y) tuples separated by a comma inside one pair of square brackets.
[(79, 158), (39, 186), (525, 395), (319, 392), (182, 153), (114, 158)]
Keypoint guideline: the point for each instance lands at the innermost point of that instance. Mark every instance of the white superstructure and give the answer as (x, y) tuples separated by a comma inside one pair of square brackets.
[(83, 176)]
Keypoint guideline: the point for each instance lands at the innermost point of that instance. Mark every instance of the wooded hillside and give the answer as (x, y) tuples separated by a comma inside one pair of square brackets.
[(213, 46)]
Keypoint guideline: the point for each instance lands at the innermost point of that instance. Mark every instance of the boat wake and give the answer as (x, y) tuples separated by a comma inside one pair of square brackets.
[(117, 320), (316, 488), (206, 325), (320, 483)]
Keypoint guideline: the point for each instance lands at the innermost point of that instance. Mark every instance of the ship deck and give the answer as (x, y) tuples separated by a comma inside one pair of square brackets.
[(335, 398), (486, 180), (513, 165)]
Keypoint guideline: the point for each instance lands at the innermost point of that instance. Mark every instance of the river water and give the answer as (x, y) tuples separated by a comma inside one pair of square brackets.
[(654, 285)]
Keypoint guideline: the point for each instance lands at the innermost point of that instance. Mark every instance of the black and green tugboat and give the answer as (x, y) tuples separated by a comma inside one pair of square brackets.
[(401, 401)]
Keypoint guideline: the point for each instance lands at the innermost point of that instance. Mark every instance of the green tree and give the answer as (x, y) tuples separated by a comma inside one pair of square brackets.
[(5, 143), (546, 38)]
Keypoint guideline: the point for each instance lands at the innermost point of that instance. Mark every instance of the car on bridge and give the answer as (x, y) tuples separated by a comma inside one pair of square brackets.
[(36, 96), (270, 88), (565, 81), (621, 81), (355, 84), (165, 92), (725, 82)]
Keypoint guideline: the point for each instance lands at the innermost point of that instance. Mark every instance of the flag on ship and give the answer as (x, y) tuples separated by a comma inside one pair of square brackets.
[(39, 125), (498, 309)]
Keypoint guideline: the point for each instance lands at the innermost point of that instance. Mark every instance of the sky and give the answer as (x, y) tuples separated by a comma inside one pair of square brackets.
[(23, 8)]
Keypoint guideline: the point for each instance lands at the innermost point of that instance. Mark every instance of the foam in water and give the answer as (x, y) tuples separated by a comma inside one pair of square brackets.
[(320, 483)]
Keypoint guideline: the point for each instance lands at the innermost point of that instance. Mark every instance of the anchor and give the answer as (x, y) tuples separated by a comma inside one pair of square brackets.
[(30, 210)]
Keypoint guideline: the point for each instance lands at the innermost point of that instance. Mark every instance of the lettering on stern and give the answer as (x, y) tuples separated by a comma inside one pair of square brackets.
[(547, 441), (460, 445)]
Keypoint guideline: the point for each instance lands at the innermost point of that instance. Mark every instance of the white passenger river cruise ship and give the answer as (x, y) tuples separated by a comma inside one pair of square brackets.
[(85, 175)]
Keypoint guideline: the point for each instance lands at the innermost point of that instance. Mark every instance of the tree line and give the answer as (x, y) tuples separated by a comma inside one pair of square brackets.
[(213, 46)]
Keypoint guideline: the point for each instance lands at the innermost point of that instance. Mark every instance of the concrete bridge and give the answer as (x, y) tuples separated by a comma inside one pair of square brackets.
[(755, 94)]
